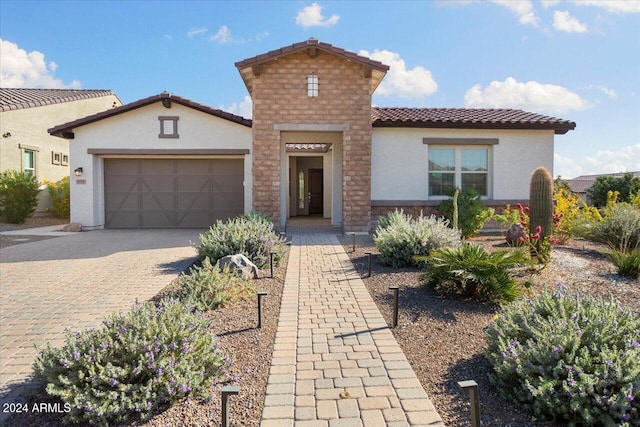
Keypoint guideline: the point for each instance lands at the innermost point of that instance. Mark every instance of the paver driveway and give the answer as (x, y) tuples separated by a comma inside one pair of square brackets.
[(74, 282)]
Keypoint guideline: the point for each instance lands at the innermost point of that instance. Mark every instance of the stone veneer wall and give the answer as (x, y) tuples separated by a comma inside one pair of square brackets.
[(280, 97)]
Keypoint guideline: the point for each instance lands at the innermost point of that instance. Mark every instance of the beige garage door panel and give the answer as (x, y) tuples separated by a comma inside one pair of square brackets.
[(178, 193)]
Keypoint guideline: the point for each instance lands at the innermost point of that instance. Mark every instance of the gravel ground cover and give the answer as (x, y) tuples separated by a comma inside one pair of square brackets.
[(250, 348), (443, 338)]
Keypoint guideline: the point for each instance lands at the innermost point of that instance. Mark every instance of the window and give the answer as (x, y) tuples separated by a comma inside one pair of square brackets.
[(168, 127), (56, 158), (29, 162), (312, 86), (301, 190), (458, 167)]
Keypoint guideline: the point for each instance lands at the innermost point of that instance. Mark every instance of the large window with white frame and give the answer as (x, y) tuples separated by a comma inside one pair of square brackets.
[(458, 167)]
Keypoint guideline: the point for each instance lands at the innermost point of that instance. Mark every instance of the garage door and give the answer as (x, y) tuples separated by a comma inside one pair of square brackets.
[(176, 193)]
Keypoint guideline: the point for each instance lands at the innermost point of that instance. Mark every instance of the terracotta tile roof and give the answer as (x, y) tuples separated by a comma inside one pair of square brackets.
[(463, 118), (296, 47), (19, 98), (65, 130)]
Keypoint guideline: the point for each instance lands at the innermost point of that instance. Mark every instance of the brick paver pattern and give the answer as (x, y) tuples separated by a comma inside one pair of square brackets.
[(74, 282), (335, 361)]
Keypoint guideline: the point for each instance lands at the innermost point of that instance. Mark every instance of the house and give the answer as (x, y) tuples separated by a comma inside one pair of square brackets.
[(25, 116), (579, 185), (315, 146)]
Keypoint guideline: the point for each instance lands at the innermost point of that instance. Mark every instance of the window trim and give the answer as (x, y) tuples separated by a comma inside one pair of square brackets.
[(32, 169), (458, 172), (164, 119)]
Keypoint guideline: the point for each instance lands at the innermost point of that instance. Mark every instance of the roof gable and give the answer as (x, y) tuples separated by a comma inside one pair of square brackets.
[(20, 98), (467, 118), (251, 67), (66, 130)]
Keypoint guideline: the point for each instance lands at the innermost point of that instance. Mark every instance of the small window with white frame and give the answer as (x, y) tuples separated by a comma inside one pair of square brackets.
[(458, 167), (29, 162), (312, 86), (168, 127)]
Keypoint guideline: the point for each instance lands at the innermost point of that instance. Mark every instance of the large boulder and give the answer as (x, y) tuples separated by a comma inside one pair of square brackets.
[(239, 264), (74, 227), (516, 234)]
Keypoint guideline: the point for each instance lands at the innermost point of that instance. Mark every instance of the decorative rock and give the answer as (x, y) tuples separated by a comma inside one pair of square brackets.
[(515, 234), (239, 264), (73, 227)]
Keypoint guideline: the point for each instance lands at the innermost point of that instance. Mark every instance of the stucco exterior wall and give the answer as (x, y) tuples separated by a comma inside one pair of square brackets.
[(279, 96), (28, 129), (399, 161), (138, 129)]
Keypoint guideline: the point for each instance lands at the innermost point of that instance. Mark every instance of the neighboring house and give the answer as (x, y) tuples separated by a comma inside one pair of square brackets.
[(25, 116), (582, 183), (315, 146)]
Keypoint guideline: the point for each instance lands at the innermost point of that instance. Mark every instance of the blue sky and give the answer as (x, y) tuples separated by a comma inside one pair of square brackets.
[(578, 60)]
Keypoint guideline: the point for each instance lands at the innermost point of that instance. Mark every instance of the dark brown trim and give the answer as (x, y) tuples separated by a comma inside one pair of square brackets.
[(66, 130), (168, 152), (460, 141), (173, 119)]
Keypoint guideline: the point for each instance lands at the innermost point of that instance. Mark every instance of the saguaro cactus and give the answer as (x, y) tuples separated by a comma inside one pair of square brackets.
[(541, 203)]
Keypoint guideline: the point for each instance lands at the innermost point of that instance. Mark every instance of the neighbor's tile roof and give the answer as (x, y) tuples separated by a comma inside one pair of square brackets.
[(581, 183), (18, 98), (296, 47), (463, 118), (64, 130)]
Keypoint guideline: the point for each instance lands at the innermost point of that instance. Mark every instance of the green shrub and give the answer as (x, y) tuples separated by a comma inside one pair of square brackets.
[(390, 218), (133, 364), (207, 287), (619, 228), (18, 196), (626, 186), (254, 238), (403, 237), (60, 196), (627, 262), (256, 216), (472, 214), (571, 358), (470, 271)]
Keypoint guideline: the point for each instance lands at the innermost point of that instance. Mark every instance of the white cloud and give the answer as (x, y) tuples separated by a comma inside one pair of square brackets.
[(611, 93), (223, 35), (549, 3), (625, 159), (19, 68), (522, 8), (414, 83), (311, 16), (616, 6), (528, 96), (243, 108), (563, 21), (261, 36), (196, 32)]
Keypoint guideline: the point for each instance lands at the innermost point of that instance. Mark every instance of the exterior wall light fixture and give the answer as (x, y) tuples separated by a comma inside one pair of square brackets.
[(78, 171)]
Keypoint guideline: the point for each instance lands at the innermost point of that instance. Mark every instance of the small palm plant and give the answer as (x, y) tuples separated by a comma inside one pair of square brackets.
[(471, 271)]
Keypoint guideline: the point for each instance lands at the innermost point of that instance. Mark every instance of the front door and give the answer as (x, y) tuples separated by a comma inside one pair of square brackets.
[(315, 191)]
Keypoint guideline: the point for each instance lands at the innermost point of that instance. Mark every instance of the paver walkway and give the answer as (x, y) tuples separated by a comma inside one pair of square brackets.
[(74, 282), (335, 361)]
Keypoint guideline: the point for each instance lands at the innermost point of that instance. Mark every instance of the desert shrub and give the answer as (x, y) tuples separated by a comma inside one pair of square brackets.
[(619, 227), (256, 216), (472, 213), (568, 357), (18, 196), (60, 196), (150, 356), (627, 262), (207, 287), (404, 237), (571, 215), (471, 271), (254, 238), (391, 218)]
